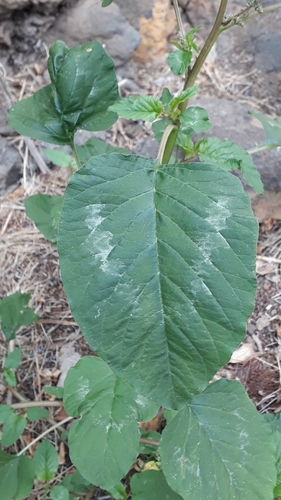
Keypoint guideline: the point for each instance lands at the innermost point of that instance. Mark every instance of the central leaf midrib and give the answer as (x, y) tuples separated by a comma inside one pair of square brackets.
[(159, 284)]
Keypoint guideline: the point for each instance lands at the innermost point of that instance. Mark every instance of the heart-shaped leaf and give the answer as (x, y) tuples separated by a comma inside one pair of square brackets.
[(158, 265), (215, 445)]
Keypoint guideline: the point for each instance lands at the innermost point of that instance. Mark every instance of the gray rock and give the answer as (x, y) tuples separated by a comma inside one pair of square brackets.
[(87, 21), (10, 166), (147, 147), (133, 9), (268, 52)]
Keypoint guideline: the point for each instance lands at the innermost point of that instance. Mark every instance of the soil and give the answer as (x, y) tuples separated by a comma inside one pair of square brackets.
[(29, 263)]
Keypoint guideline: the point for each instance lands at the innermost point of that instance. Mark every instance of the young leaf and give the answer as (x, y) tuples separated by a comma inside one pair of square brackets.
[(59, 493), (228, 155), (58, 157), (272, 129), (13, 427), (37, 414), (166, 98), (83, 86), (13, 359), (194, 120), (153, 485), (95, 147), (186, 94), (106, 3), (161, 257), (46, 461), (54, 391), (223, 424), (14, 313), (179, 61), (108, 419), (142, 107), (44, 210), (10, 377), (5, 413)]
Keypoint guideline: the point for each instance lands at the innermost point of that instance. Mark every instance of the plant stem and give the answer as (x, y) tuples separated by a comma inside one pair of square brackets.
[(214, 33), (149, 441), (44, 434), (76, 157), (266, 10), (179, 20), (262, 148), (36, 404)]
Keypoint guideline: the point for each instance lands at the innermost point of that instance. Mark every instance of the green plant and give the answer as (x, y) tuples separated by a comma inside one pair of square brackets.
[(157, 260)]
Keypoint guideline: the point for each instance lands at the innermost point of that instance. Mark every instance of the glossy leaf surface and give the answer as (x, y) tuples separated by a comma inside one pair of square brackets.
[(104, 441), (83, 86), (14, 313), (228, 155), (158, 265), (213, 448)]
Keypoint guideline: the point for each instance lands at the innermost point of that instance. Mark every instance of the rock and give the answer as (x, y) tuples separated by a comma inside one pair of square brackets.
[(268, 52), (134, 9), (10, 166), (87, 21), (147, 147), (232, 122)]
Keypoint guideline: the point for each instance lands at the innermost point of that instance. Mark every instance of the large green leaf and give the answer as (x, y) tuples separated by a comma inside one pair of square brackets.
[(272, 129), (104, 442), (152, 485), (16, 476), (14, 313), (45, 210), (158, 265), (83, 86), (275, 422), (218, 447), (228, 155)]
